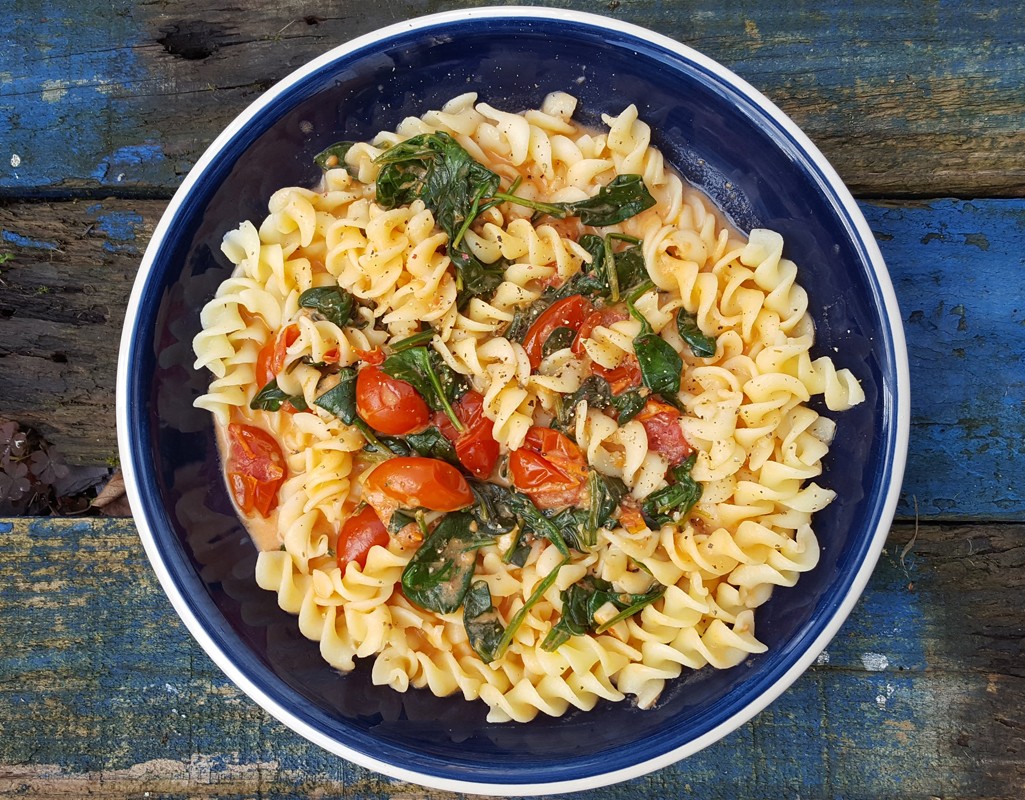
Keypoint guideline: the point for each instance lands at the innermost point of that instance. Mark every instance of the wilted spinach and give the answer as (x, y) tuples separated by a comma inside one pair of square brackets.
[(439, 573), (483, 625), (660, 365), (333, 155), (432, 443), (675, 500), (582, 600), (491, 511), (701, 344), (623, 197), (598, 394), (332, 302), (271, 397), (559, 339)]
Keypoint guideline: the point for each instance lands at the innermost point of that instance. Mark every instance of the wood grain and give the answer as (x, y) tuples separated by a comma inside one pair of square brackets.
[(954, 265), (104, 694), (906, 99), (63, 293)]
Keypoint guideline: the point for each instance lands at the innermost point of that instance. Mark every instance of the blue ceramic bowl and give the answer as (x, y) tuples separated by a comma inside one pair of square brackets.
[(720, 134)]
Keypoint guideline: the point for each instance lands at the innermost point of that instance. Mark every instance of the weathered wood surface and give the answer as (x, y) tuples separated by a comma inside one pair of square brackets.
[(103, 692), (104, 107), (892, 92), (956, 267)]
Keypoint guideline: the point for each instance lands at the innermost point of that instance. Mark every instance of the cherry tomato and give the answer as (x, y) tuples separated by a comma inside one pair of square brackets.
[(416, 482), (630, 516), (256, 469), (605, 317), (662, 424), (271, 359), (549, 468), (627, 375), (359, 533), (388, 404), (475, 447), (570, 312), (375, 356)]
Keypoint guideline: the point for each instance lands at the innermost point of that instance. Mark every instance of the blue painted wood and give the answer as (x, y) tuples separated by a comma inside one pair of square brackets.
[(959, 274)]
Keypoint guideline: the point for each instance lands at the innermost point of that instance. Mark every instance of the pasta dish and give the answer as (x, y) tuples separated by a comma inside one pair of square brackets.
[(512, 410)]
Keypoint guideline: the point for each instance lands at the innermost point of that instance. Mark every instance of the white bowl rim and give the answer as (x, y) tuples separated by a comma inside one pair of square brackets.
[(902, 410)]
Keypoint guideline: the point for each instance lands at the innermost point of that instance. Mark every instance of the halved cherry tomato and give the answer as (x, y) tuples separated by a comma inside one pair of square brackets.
[(605, 317), (389, 405), (476, 447), (570, 312), (662, 424), (375, 356), (271, 359), (416, 482), (256, 469), (630, 516), (549, 468), (627, 375), (359, 533)]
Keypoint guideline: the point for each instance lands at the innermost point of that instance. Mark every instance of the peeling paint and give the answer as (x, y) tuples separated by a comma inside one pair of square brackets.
[(874, 662)]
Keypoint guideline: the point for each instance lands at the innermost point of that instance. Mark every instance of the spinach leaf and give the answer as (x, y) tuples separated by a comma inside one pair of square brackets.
[(605, 494), (341, 400), (483, 625), (660, 365), (628, 405), (415, 340), (532, 518), (596, 391), (415, 366), (631, 271), (433, 444), (559, 339), (391, 445), (434, 168), (439, 573), (271, 398), (334, 303), (582, 600), (674, 501), (498, 508), (623, 197), (333, 156), (701, 345), (474, 279), (579, 526), (491, 511), (523, 318), (571, 523), (611, 274), (400, 518)]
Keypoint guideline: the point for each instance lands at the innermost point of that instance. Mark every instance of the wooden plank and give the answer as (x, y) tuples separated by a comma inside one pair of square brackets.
[(954, 264), (880, 86), (103, 693), (63, 293)]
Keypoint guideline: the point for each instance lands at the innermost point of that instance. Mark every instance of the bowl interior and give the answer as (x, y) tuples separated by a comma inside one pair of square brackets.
[(720, 140)]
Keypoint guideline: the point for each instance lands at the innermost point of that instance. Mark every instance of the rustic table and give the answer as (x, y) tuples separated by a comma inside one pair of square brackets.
[(105, 106)]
